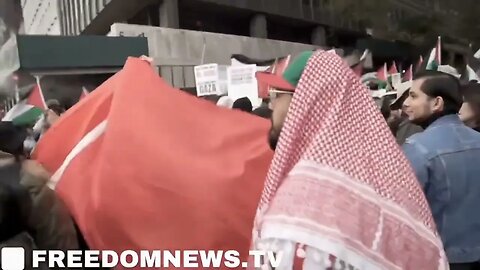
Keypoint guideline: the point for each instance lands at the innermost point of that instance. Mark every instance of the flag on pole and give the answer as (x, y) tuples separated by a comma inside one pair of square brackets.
[(84, 93), (279, 66), (27, 111), (201, 195), (382, 73), (393, 69), (435, 58), (408, 76), (419, 63), (358, 68)]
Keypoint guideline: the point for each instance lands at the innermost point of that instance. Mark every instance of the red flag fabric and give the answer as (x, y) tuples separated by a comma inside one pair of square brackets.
[(419, 63), (393, 69), (277, 68), (36, 98), (408, 74), (382, 73), (171, 172)]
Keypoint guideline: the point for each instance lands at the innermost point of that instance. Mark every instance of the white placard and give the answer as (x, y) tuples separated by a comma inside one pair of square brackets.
[(242, 83), (206, 79)]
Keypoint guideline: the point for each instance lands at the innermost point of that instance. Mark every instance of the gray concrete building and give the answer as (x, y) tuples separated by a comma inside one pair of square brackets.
[(290, 24)]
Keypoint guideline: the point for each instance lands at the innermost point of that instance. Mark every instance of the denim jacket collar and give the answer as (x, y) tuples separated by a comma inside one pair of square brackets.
[(451, 119)]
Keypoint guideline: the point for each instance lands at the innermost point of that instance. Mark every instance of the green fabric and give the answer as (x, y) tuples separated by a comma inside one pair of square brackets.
[(28, 118), (76, 52), (432, 65), (295, 69)]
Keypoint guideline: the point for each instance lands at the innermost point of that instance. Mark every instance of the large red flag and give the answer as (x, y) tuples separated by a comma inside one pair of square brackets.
[(170, 172)]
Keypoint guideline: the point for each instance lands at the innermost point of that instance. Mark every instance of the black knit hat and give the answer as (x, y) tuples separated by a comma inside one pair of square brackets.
[(11, 138)]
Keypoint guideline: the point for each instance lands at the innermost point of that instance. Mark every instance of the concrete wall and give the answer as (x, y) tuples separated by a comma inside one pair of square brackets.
[(178, 51)]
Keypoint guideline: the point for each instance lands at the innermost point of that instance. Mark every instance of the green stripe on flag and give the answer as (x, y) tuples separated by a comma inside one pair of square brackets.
[(432, 65), (28, 118)]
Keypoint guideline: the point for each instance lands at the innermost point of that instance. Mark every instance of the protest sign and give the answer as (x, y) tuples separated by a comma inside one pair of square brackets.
[(211, 79), (242, 83)]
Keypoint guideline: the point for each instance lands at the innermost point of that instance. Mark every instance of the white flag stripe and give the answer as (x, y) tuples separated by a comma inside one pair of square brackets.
[(88, 139)]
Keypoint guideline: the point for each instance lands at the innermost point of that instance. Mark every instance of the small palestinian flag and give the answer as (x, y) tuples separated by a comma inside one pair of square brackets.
[(393, 69), (29, 110), (408, 76), (435, 58)]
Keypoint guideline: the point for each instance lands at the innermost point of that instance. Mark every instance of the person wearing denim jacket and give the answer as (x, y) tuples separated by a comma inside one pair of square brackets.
[(446, 160)]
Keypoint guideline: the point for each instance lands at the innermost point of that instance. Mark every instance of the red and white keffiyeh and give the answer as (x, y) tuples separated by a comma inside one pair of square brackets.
[(339, 185)]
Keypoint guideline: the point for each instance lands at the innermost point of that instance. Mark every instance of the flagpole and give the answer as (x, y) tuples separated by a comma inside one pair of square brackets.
[(17, 93), (204, 50), (37, 78)]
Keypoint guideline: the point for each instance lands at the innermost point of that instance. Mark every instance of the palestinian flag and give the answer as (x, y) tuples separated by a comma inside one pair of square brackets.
[(382, 76), (358, 68), (393, 69), (382, 73), (435, 58), (419, 64), (134, 185), (27, 111), (277, 68), (408, 76)]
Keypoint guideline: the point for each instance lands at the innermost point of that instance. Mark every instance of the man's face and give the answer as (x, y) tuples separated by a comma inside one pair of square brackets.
[(280, 104), (418, 106)]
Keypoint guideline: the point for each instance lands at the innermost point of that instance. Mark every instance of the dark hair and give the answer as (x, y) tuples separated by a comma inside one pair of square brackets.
[(11, 138), (386, 101), (471, 94), (446, 86), (15, 207), (243, 104), (58, 109), (263, 111)]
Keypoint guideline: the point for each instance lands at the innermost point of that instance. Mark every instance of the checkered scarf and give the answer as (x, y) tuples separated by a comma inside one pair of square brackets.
[(339, 191)]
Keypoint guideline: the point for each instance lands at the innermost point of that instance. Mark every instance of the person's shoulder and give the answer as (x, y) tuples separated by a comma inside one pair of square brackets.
[(417, 138), (421, 143)]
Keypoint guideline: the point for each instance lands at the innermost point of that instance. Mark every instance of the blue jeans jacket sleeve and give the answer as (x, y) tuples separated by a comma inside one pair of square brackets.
[(418, 162)]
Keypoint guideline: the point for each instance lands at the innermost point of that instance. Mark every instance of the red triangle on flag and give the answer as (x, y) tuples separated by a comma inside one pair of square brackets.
[(408, 74), (393, 69), (36, 98), (382, 73)]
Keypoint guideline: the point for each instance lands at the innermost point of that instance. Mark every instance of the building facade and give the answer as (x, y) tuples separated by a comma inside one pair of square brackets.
[(312, 22), (305, 21)]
